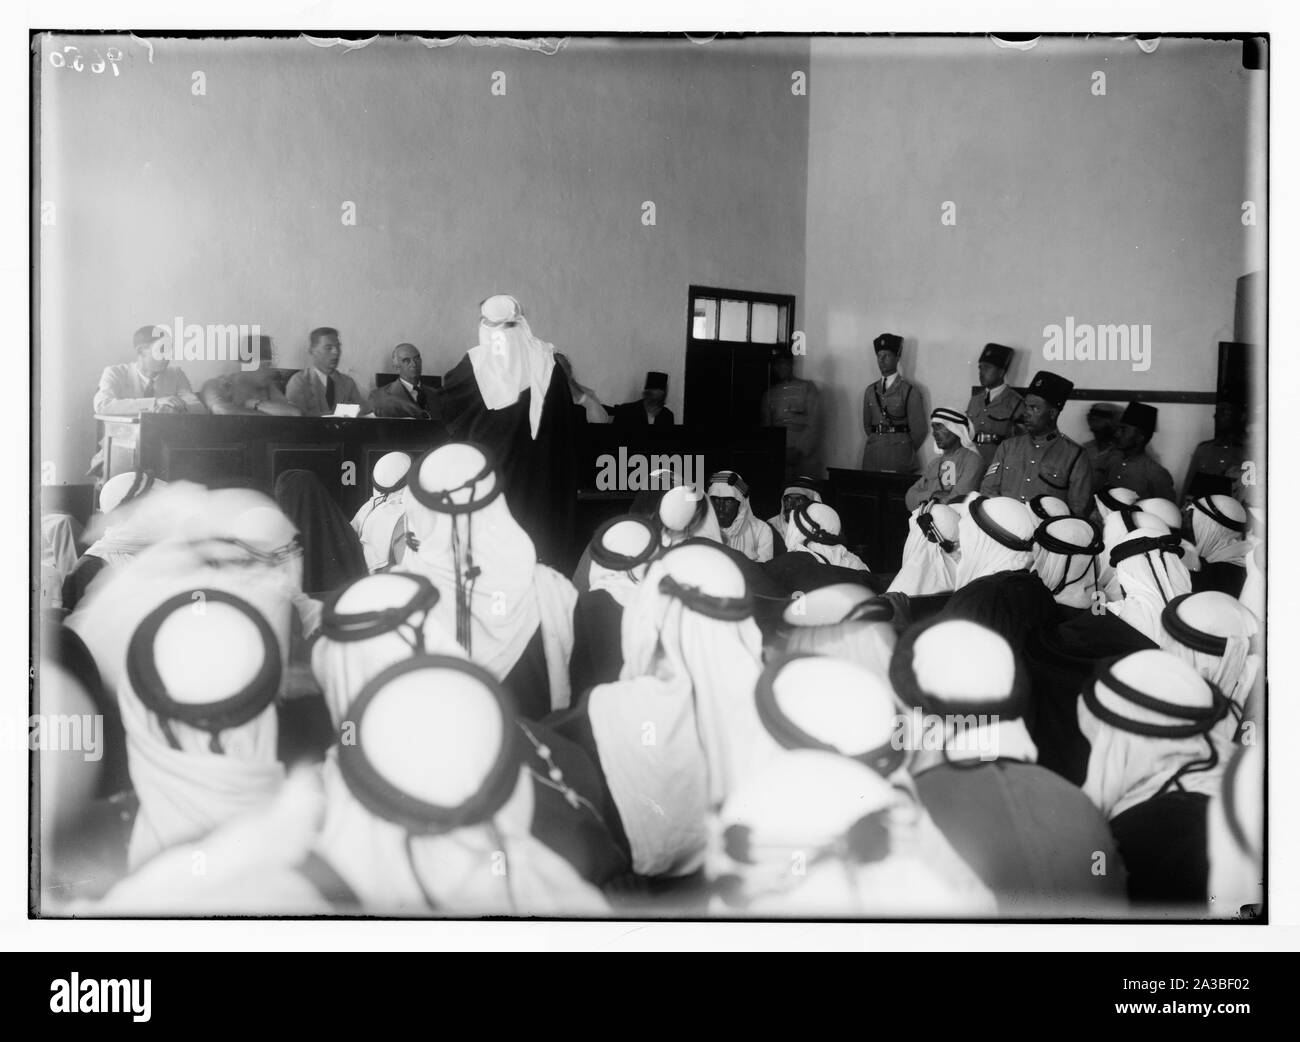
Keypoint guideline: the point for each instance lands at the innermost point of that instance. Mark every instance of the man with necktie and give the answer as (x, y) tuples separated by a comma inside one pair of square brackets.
[(893, 415), (319, 388), (996, 411), (149, 384), (407, 395)]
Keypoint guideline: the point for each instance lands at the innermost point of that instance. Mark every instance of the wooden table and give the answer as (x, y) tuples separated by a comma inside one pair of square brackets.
[(120, 436), (255, 450)]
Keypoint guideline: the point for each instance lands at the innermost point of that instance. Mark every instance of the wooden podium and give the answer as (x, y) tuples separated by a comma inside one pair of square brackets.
[(873, 512)]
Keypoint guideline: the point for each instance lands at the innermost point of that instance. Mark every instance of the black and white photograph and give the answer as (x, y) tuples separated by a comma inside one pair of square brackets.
[(724, 477)]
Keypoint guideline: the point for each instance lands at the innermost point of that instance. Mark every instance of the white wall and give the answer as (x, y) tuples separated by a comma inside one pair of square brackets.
[(1123, 208), (226, 208)]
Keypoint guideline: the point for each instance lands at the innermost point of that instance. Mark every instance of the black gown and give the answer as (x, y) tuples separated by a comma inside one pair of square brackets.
[(1012, 603), (1163, 843), (1061, 660), (1222, 576), (539, 474), (597, 641), (332, 554)]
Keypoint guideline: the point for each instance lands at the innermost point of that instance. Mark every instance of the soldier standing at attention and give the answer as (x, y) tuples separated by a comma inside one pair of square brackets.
[(1042, 460), (893, 414), (997, 411), (792, 403)]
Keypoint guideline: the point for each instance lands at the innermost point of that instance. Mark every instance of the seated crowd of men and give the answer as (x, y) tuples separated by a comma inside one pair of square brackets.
[(1050, 710)]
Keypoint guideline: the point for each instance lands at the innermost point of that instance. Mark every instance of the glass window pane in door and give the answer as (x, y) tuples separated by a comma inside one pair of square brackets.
[(763, 326), (735, 316), (704, 321)]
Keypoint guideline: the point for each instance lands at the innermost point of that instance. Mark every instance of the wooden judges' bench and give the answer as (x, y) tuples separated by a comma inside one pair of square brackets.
[(255, 450)]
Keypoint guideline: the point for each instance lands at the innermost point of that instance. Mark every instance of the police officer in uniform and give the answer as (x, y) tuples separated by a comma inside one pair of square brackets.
[(1042, 460), (1130, 466), (893, 414), (997, 411), (792, 403)]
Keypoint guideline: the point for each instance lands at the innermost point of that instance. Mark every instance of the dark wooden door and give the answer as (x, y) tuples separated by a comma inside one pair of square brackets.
[(730, 335)]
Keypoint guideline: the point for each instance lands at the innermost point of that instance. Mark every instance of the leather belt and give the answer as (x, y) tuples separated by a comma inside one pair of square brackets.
[(882, 428), (988, 439)]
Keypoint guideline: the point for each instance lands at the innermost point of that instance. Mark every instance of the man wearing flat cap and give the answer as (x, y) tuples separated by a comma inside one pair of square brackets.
[(792, 403), (997, 411), (1130, 466), (893, 415), (650, 410), (1042, 461)]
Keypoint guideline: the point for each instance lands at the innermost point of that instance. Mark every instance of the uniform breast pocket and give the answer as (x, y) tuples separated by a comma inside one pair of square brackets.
[(1055, 475)]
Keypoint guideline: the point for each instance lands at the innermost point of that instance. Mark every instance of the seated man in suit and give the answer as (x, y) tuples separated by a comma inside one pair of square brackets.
[(251, 392), (317, 389), (150, 383), (405, 396)]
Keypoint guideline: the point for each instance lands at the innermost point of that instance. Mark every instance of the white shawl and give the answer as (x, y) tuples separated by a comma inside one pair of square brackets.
[(927, 567), (679, 729), (510, 360), (511, 597)]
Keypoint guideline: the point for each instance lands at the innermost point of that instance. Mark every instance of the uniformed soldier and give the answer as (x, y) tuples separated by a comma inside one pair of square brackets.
[(792, 403), (893, 414), (1102, 419), (1042, 460), (1221, 455), (1130, 466), (997, 411)]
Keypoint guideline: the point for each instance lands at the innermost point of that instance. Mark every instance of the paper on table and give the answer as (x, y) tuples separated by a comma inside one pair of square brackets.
[(347, 410)]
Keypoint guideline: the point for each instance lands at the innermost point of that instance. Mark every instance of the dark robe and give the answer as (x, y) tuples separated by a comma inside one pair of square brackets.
[(802, 571), (1010, 603), (539, 474), (597, 852), (62, 646), (79, 579), (1031, 837), (1163, 842), (631, 415), (597, 641), (1061, 660), (528, 680), (1223, 576), (574, 725), (331, 552)]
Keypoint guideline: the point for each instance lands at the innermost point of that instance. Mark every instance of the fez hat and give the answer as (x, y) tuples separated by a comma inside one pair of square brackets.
[(998, 355), (889, 342), (782, 352), (656, 381), (1051, 388), (1141, 416)]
